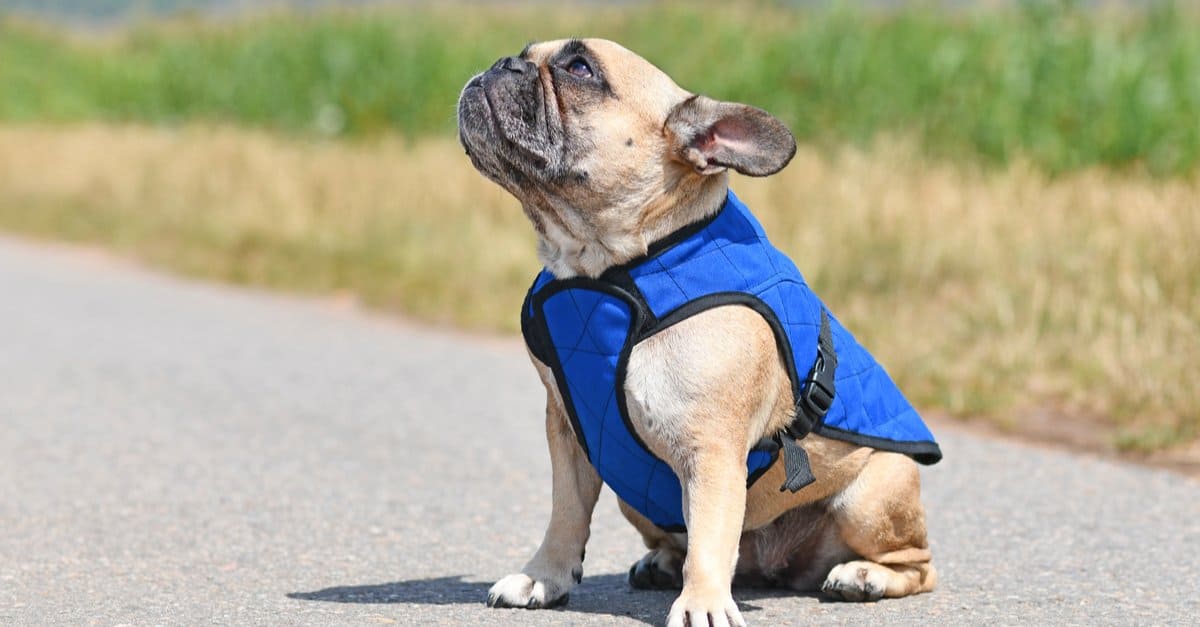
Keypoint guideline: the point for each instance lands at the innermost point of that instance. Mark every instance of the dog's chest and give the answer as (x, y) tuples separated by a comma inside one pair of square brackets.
[(714, 373)]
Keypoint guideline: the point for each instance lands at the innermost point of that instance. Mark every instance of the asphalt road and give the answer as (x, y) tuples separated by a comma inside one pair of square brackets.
[(181, 453)]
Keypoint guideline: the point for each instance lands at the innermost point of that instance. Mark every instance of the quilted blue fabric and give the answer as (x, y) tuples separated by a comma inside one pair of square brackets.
[(585, 328)]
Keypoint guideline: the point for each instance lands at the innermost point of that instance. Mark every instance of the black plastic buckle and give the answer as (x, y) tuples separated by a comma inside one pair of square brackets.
[(817, 399)]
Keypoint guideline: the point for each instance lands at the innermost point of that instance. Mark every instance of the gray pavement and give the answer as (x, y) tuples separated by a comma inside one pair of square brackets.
[(175, 452)]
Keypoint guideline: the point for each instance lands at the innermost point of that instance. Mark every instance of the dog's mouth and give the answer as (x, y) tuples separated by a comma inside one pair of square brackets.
[(505, 126), (479, 130), (473, 105)]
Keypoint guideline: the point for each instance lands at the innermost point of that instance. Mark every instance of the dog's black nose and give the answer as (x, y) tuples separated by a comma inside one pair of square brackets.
[(513, 64)]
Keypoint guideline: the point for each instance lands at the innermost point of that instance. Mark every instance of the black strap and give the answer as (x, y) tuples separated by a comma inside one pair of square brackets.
[(816, 397), (795, 464)]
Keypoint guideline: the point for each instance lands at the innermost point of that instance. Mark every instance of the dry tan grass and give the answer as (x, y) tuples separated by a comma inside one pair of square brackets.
[(407, 228), (985, 293)]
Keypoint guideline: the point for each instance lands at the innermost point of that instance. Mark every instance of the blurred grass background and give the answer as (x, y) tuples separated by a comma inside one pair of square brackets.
[(1004, 204), (1065, 87)]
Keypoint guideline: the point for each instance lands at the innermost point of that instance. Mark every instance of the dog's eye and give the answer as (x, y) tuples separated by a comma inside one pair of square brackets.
[(580, 68)]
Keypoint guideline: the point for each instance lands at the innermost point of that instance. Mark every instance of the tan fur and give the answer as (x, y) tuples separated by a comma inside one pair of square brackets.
[(701, 393)]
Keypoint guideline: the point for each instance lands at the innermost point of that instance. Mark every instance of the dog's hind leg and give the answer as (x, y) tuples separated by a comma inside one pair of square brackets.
[(880, 518), (558, 564)]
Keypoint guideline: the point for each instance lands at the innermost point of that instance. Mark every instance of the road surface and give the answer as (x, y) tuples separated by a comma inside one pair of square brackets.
[(175, 452)]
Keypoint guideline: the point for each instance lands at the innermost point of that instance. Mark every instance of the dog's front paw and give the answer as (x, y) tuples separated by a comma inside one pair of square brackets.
[(856, 581), (699, 609), (521, 590)]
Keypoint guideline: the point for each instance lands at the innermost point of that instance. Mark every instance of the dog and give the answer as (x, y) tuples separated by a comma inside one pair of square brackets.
[(749, 438)]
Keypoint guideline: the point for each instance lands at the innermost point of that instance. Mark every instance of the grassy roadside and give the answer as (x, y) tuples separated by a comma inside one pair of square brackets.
[(1065, 87), (986, 292)]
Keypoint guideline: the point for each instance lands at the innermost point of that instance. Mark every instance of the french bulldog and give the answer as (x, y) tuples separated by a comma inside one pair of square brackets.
[(617, 168)]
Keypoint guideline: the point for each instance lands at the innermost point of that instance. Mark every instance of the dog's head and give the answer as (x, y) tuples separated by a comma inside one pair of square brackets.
[(605, 152)]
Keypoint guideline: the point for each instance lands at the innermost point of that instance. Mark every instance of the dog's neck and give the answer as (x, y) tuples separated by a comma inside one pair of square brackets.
[(573, 248)]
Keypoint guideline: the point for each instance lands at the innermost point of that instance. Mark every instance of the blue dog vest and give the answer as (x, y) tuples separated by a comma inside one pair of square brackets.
[(584, 330)]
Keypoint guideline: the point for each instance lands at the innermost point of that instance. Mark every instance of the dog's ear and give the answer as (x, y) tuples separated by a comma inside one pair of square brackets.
[(711, 135)]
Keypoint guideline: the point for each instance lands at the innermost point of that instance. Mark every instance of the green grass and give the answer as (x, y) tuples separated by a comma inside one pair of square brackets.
[(1063, 87)]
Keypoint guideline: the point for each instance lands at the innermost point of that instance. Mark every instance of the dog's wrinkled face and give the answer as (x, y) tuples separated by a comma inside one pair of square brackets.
[(600, 146), (572, 119)]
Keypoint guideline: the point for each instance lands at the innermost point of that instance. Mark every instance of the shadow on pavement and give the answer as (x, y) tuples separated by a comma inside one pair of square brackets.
[(450, 590), (602, 594)]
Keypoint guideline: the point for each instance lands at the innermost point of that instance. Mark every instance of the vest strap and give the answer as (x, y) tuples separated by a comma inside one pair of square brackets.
[(795, 464), (816, 398)]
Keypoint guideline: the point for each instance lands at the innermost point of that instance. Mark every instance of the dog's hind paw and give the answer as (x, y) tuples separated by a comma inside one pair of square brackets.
[(521, 590), (856, 581), (659, 569)]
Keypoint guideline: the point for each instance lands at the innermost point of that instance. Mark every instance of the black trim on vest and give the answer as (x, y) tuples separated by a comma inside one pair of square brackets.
[(921, 452), (533, 340)]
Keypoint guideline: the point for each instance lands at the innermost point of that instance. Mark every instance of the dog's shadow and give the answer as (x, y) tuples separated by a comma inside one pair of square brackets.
[(602, 594)]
